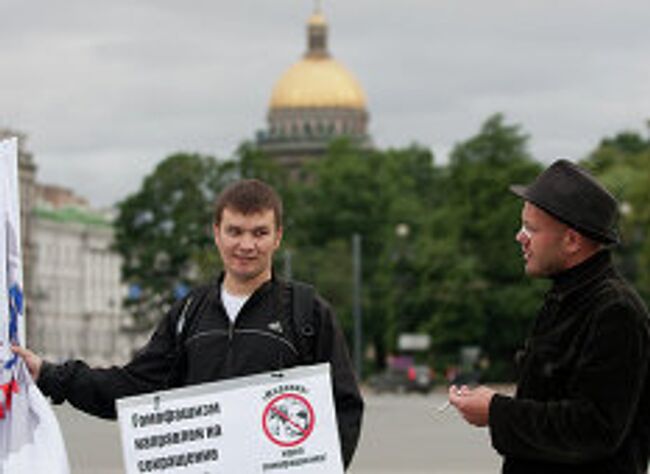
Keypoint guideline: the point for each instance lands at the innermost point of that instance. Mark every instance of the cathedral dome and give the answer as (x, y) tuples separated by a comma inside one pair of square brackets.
[(314, 102), (317, 82)]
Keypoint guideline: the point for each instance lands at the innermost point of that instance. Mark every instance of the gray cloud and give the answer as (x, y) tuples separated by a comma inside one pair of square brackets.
[(107, 89)]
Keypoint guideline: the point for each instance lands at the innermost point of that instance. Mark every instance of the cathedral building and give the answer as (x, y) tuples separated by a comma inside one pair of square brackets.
[(315, 101)]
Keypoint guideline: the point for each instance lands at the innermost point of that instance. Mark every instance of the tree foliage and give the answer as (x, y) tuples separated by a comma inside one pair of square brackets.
[(622, 163), (471, 268), (369, 193), (439, 255), (456, 272), (163, 231)]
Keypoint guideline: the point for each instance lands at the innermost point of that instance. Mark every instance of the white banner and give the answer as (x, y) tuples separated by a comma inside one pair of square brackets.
[(11, 271), (282, 422), (30, 439)]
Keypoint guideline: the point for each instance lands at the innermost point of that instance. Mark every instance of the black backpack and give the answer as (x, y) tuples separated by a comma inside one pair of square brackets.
[(302, 317)]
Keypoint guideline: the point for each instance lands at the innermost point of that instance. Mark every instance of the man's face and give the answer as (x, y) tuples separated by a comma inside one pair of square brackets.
[(542, 239), (246, 244)]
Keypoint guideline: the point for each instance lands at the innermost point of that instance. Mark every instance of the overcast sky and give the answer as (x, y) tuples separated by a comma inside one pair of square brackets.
[(106, 89)]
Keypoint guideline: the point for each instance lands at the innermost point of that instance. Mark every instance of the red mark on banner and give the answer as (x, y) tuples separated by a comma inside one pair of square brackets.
[(7, 389)]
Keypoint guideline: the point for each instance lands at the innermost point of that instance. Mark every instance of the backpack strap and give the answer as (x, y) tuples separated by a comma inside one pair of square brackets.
[(186, 321), (180, 329), (302, 307)]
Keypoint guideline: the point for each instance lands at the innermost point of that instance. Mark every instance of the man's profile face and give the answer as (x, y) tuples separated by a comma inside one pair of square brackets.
[(246, 243), (542, 241)]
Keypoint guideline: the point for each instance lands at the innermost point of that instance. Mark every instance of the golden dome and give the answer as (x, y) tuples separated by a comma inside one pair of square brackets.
[(317, 19), (317, 82)]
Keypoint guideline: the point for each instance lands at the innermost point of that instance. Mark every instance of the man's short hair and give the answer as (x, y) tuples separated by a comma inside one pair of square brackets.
[(249, 196)]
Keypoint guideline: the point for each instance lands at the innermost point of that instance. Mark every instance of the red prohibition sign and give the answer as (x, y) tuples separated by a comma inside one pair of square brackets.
[(288, 419)]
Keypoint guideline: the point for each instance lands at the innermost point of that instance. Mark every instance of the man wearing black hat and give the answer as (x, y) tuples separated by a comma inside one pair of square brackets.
[(583, 398)]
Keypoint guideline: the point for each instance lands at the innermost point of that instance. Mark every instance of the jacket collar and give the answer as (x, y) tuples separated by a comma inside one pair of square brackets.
[(575, 278), (260, 290)]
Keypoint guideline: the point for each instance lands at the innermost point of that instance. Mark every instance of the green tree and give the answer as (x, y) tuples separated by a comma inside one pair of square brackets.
[(622, 163), (163, 231), (369, 193), (472, 267), (253, 163)]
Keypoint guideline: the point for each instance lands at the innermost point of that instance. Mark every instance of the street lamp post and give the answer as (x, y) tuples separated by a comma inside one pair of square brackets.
[(400, 268), (356, 302), (287, 264)]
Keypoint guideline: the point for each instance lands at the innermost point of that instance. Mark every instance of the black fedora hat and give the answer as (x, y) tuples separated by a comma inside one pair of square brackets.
[(573, 196)]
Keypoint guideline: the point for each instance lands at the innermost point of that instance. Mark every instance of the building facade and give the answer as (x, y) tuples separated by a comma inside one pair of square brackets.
[(78, 293)]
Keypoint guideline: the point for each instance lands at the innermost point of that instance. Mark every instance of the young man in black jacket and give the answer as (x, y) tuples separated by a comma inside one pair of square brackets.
[(583, 398), (240, 326)]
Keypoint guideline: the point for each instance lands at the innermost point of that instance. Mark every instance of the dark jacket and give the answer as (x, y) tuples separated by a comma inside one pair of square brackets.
[(583, 398), (261, 340)]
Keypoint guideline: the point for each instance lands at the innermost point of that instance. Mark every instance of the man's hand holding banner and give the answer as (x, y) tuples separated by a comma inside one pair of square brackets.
[(30, 439)]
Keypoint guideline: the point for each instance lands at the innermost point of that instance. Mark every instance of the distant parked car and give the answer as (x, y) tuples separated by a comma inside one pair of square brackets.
[(403, 376)]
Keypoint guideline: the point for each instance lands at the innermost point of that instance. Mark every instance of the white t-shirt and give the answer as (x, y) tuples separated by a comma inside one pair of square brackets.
[(232, 303)]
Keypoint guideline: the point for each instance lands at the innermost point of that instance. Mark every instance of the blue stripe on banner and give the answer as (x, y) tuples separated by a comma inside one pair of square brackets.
[(15, 309)]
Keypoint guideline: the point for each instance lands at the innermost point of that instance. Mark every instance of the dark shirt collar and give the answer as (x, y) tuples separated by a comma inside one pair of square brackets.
[(574, 278)]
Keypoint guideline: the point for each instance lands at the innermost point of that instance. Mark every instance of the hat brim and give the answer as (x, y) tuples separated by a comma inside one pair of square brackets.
[(522, 191), (519, 190)]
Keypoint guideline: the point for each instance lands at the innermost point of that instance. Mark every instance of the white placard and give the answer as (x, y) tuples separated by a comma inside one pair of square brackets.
[(280, 422)]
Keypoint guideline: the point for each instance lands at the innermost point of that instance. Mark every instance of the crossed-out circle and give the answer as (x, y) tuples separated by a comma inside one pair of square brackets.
[(288, 419)]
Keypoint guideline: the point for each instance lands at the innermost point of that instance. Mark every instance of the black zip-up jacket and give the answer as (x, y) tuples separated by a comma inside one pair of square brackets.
[(262, 339), (583, 398)]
